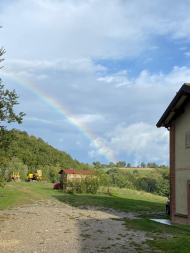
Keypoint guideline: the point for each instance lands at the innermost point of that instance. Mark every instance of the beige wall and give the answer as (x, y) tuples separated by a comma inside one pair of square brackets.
[(181, 191), (75, 176), (182, 160)]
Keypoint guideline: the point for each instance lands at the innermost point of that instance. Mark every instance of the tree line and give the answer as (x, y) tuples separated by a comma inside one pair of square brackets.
[(123, 164)]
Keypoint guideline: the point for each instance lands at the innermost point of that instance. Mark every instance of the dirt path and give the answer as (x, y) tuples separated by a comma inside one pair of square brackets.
[(51, 226)]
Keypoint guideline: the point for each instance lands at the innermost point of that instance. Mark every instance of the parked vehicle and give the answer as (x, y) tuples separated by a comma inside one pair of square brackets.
[(56, 186), (168, 206), (35, 176), (15, 176)]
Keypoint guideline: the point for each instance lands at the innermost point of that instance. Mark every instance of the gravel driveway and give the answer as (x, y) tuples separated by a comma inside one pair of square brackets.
[(51, 226)]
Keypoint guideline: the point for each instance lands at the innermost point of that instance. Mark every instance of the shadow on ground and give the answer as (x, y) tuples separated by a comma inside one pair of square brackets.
[(104, 230), (115, 202)]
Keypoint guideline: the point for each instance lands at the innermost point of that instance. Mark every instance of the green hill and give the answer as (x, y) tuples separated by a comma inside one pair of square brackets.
[(18, 149)]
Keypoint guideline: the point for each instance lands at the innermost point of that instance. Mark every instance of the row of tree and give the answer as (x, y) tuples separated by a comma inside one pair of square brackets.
[(156, 182), (122, 164)]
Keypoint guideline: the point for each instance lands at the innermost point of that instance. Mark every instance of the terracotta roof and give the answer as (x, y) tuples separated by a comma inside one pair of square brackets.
[(176, 106), (84, 172)]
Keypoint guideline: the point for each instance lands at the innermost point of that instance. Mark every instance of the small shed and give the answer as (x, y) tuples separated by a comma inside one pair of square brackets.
[(176, 119), (73, 175)]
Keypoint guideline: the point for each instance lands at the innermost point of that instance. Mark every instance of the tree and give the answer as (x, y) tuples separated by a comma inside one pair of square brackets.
[(143, 165), (97, 165), (128, 165), (7, 101), (152, 165), (120, 164), (111, 164)]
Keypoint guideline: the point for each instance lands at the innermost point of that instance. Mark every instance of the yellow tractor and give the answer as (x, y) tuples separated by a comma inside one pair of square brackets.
[(15, 176), (35, 176)]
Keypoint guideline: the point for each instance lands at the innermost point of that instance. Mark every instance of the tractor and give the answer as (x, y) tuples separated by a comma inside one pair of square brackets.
[(15, 176), (35, 176)]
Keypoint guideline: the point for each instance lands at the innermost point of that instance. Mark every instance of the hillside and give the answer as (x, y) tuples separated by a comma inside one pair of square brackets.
[(33, 151), (22, 152)]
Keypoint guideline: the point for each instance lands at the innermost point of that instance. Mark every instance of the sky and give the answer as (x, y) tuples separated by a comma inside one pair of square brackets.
[(95, 76)]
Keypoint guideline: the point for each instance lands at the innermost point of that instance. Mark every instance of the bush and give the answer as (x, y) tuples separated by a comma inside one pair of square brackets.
[(89, 184)]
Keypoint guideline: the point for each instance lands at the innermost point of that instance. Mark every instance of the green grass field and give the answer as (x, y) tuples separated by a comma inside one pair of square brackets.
[(163, 238), (17, 193)]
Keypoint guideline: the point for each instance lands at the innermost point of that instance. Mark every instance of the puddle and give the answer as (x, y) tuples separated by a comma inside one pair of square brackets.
[(163, 221)]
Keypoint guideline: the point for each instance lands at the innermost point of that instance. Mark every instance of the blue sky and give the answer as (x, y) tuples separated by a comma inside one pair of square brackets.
[(114, 65)]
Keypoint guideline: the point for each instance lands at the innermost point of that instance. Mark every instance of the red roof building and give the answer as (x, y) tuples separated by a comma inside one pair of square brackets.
[(71, 175)]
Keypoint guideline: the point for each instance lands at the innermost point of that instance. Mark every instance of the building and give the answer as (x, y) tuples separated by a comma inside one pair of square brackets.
[(176, 119), (71, 175)]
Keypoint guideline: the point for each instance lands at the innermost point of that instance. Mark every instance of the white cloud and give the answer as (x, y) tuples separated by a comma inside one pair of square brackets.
[(42, 77), (153, 48), (76, 65), (187, 54), (146, 82), (141, 140), (148, 60), (103, 149), (119, 79), (87, 118), (101, 29), (44, 121), (182, 48)]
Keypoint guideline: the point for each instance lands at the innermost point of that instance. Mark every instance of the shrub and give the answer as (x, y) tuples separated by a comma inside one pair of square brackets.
[(89, 184)]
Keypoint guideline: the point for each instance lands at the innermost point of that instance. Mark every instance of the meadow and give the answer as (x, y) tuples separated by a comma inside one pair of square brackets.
[(20, 193), (163, 238)]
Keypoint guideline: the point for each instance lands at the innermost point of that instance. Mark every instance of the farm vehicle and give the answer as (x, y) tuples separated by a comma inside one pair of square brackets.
[(15, 176), (35, 176)]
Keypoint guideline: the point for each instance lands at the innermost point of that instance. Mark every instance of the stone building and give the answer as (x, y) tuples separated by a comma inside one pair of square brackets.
[(176, 119)]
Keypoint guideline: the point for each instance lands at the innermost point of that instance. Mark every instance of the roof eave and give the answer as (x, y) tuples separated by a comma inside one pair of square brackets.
[(172, 110)]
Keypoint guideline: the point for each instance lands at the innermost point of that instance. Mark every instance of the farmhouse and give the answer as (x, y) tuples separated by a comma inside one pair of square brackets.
[(73, 175), (176, 119)]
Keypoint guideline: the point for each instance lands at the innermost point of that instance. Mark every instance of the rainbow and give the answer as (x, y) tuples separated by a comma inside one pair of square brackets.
[(62, 110)]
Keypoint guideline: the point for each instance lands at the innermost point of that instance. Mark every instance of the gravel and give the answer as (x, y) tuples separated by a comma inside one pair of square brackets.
[(51, 226)]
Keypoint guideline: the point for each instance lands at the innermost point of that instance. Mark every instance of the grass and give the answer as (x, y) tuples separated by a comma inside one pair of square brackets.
[(165, 238), (119, 199), (19, 193)]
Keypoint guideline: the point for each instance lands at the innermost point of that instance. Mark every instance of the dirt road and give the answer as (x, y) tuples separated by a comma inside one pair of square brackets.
[(51, 226)]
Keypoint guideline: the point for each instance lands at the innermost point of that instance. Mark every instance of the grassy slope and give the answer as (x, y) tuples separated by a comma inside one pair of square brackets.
[(122, 199), (164, 238)]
